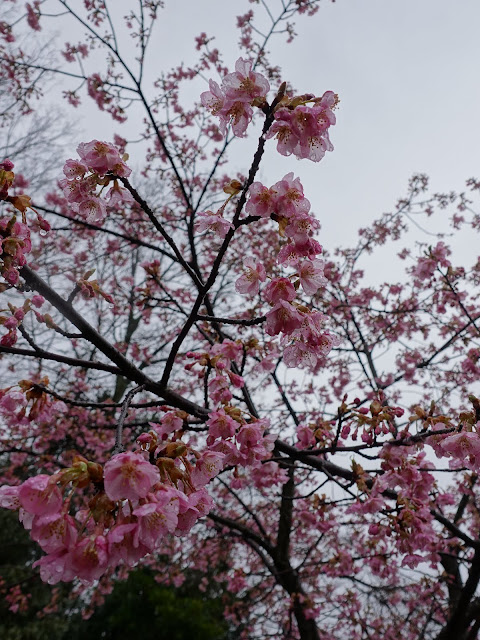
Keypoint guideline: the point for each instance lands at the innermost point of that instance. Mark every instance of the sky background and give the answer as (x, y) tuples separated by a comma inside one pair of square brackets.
[(406, 71)]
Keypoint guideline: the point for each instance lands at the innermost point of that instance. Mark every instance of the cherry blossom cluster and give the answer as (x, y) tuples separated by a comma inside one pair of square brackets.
[(72, 51), (245, 443), (97, 90), (28, 401), (138, 498), (463, 447), (241, 438), (367, 423), (15, 319), (100, 163), (302, 130), (33, 15), (15, 241), (301, 123), (406, 472), (218, 363), (427, 265), (371, 422), (233, 101), (301, 328), (214, 221)]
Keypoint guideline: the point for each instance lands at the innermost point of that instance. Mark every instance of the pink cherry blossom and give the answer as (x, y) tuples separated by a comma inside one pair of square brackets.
[(229, 450), (299, 354), (268, 474), (103, 157), (54, 532), (251, 434), (235, 379), (244, 84), (74, 190), (303, 130), (38, 301), (198, 504), (240, 115), (207, 467), (128, 476), (305, 436), (290, 200), (39, 495), (310, 273), (279, 289), (156, 519), (210, 221), (282, 129), (56, 567), (93, 209), (249, 282), (292, 252), (228, 349), (188, 514), (123, 544), (214, 100), (261, 201), (301, 228), (201, 500), (9, 498), (465, 444), (282, 318), (74, 169), (117, 196), (169, 423), (220, 425), (231, 103), (33, 14), (7, 164), (219, 389), (89, 557)]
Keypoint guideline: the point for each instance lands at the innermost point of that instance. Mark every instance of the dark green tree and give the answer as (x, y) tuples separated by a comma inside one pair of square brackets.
[(140, 608), (17, 554)]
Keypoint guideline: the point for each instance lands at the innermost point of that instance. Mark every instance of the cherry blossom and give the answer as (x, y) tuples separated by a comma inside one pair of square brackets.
[(40, 495), (128, 476), (303, 130), (336, 501), (249, 282), (231, 102), (214, 222), (244, 84), (283, 318)]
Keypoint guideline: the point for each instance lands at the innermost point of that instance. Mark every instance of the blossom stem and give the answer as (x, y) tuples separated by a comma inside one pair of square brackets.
[(118, 448)]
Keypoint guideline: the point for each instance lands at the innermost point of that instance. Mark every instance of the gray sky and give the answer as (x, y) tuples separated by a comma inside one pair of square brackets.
[(407, 75), (407, 72)]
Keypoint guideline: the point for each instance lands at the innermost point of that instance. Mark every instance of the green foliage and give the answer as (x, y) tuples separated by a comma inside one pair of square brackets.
[(140, 608)]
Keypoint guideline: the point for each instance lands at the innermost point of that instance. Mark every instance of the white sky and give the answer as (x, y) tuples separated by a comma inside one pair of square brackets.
[(407, 75), (406, 71)]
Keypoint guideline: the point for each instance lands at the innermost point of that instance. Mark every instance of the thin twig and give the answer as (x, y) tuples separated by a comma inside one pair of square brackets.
[(118, 448)]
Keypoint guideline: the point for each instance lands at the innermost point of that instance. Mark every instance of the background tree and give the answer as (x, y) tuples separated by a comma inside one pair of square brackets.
[(339, 508)]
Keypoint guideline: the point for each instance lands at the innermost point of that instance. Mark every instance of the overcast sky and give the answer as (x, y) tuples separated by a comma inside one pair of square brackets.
[(406, 71), (408, 76)]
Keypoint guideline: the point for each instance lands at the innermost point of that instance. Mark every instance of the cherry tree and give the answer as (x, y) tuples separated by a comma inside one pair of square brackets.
[(190, 381)]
